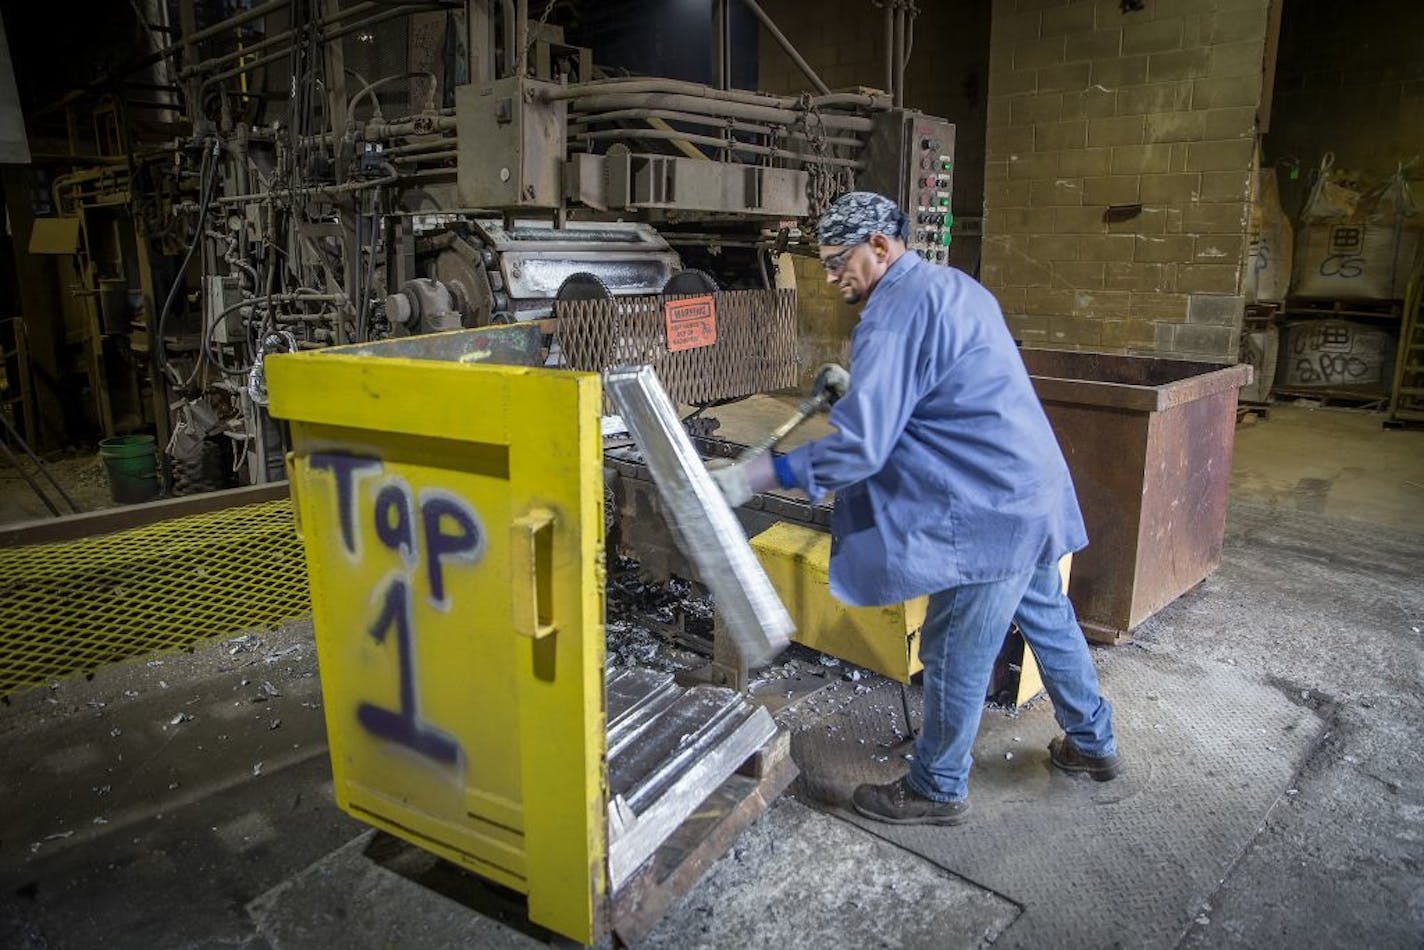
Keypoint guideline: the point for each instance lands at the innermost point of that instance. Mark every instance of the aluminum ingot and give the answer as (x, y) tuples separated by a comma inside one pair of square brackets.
[(707, 531)]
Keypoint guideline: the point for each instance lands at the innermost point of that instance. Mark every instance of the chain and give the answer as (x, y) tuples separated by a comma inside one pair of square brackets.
[(522, 63), (825, 182)]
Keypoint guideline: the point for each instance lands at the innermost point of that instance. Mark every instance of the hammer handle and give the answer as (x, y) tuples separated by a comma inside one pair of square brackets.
[(809, 407)]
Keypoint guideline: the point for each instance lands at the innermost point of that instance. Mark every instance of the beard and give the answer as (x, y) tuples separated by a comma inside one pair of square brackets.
[(850, 295)]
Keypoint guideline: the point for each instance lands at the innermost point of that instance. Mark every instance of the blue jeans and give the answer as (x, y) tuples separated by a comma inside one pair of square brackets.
[(963, 633)]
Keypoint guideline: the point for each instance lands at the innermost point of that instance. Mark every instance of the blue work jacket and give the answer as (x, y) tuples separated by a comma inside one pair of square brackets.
[(945, 469)]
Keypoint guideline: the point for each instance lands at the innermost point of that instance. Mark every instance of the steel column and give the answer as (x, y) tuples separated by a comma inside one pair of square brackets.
[(786, 45)]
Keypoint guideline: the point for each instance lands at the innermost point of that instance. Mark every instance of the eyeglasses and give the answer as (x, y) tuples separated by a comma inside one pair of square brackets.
[(837, 262)]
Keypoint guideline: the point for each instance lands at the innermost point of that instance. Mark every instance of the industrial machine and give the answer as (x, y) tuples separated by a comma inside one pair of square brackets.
[(328, 171)]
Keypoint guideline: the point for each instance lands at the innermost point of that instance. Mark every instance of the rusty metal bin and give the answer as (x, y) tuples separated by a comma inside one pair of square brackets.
[(1149, 444)]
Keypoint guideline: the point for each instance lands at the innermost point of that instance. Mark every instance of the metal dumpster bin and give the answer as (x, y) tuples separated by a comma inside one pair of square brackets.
[(452, 516), (1149, 444)]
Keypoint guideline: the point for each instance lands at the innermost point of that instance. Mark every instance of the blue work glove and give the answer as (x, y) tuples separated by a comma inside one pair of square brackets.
[(739, 481)]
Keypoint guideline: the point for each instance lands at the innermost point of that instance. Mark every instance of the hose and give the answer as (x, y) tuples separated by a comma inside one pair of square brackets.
[(371, 87), (205, 188)]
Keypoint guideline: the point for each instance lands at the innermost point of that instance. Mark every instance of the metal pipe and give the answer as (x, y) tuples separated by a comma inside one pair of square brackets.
[(246, 16), (630, 85), (442, 120), (730, 109), (44, 469), (217, 61), (29, 479), (713, 142), (384, 15), (787, 46), (721, 52), (246, 67), (889, 29), (347, 188), (428, 173), (910, 31), (899, 55), (507, 28), (690, 118), (434, 145), (370, 90), (410, 126), (170, 50), (521, 37), (427, 157), (262, 300)]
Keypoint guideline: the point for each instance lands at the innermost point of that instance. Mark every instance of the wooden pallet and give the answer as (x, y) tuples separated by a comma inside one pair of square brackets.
[(1342, 309), (702, 839), (630, 914), (1337, 398), (1406, 403)]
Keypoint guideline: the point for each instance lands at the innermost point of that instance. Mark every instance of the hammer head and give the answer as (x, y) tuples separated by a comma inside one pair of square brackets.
[(832, 381)]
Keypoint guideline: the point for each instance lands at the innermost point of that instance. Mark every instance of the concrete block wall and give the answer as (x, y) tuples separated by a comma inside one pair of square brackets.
[(1091, 107), (844, 41), (841, 42), (947, 75), (824, 322), (1348, 81)]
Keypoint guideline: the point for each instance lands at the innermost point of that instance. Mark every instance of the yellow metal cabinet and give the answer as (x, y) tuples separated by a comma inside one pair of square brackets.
[(452, 516), (884, 639)]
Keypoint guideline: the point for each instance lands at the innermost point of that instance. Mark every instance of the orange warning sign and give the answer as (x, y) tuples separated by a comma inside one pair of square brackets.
[(691, 322)]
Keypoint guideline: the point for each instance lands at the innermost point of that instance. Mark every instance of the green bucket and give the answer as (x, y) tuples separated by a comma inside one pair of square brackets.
[(132, 465)]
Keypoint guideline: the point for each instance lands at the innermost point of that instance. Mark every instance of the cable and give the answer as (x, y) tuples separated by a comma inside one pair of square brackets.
[(254, 302), (363, 303), (205, 187), (371, 87)]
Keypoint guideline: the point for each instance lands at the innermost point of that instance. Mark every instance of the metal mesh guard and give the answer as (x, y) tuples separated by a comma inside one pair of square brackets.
[(755, 349), (72, 606)]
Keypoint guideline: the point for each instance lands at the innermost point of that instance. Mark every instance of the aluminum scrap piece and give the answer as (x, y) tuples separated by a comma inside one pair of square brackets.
[(752, 614)]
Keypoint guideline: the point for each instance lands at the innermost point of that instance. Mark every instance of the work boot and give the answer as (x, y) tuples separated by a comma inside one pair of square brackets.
[(1065, 755), (899, 804)]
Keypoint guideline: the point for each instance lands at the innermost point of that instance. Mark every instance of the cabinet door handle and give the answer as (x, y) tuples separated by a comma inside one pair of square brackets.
[(289, 462), (531, 556)]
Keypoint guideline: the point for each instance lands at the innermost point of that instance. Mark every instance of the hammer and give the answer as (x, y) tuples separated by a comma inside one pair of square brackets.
[(830, 384)]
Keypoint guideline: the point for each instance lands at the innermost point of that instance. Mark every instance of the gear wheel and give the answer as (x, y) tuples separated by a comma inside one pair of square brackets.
[(690, 280), (583, 286)]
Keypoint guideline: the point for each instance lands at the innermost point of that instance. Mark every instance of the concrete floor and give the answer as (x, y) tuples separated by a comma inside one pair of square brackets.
[(127, 825), (1333, 463), (81, 475)]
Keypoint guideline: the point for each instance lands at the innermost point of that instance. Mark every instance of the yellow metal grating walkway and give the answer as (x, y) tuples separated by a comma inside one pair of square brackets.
[(71, 606)]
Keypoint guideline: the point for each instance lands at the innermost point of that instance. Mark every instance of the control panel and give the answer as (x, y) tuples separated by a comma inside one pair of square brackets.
[(910, 157), (932, 189)]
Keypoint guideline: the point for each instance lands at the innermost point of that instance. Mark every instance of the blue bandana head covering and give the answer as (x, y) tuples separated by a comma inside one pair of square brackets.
[(854, 217)]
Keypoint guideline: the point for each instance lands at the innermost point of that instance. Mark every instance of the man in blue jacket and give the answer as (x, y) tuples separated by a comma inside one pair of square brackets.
[(949, 482)]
